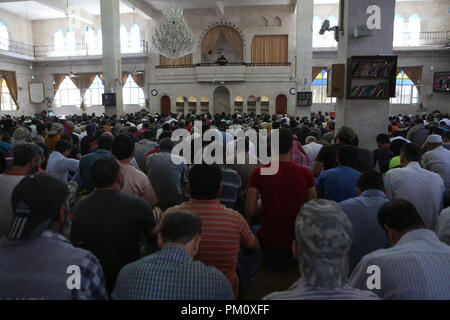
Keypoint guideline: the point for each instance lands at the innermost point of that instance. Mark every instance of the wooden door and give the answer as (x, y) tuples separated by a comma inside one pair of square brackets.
[(281, 104), (165, 105)]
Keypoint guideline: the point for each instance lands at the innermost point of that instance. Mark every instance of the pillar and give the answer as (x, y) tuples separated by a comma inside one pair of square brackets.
[(367, 117), (304, 36), (112, 59)]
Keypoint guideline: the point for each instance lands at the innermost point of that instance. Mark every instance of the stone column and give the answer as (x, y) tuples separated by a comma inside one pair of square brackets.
[(305, 13), (112, 58), (367, 117)]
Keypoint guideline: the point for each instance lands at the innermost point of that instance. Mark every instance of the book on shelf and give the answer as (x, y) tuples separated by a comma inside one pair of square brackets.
[(374, 91), (373, 70)]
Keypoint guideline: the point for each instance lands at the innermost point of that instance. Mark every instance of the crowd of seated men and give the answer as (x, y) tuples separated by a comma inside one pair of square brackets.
[(97, 207)]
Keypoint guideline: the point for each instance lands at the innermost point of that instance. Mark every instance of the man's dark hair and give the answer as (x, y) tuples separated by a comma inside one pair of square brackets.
[(286, 141), (40, 128), (24, 153), (62, 146), (105, 142), (2, 163), (204, 181), (411, 152), (396, 145), (399, 215), (418, 121), (276, 125), (148, 134), (383, 139), (67, 137), (347, 156), (104, 172), (370, 180), (163, 135), (180, 227), (123, 146), (447, 136), (166, 144)]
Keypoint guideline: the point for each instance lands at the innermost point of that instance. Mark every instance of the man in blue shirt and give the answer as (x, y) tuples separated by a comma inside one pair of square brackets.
[(83, 176), (362, 211), (172, 273), (339, 183)]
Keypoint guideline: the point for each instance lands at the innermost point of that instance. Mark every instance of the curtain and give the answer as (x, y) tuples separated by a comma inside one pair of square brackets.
[(210, 40), (125, 75), (186, 60), (234, 38), (11, 82), (414, 73), (270, 49), (316, 71), (59, 78), (83, 81), (139, 79)]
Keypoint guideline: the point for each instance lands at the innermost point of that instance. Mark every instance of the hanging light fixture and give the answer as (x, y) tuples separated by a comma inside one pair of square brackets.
[(173, 38)]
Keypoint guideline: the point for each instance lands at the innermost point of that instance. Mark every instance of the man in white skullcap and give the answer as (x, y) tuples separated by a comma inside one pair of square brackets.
[(437, 160), (323, 237)]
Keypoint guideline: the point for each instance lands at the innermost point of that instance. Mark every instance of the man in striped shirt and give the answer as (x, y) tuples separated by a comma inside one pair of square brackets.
[(323, 238), (224, 231), (417, 267)]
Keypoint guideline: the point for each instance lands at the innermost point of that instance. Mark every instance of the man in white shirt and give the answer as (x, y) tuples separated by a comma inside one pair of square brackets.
[(437, 159), (312, 148), (59, 165), (424, 189), (27, 160), (415, 268)]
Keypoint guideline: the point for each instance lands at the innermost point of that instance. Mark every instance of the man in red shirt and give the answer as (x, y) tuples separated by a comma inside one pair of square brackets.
[(282, 196)]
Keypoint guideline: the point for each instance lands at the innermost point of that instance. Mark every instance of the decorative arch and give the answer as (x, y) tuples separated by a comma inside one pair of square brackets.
[(204, 104), (211, 34), (179, 104)]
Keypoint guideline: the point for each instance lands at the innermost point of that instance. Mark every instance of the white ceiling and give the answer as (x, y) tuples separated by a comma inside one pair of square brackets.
[(31, 10), (196, 4), (34, 10)]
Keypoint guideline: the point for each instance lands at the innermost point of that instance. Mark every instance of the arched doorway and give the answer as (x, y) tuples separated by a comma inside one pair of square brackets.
[(165, 105), (222, 100), (281, 104)]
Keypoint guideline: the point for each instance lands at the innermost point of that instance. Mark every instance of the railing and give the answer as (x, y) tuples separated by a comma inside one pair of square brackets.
[(78, 49), (422, 39), (17, 47), (231, 64)]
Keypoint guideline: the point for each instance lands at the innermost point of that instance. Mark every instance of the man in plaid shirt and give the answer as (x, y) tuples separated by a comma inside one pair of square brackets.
[(36, 261), (145, 145)]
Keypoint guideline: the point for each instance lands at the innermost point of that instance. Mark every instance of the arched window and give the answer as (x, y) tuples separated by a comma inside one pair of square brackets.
[(68, 94), (93, 95), (59, 43), (406, 91), (7, 102), (132, 93), (123, 39), (90, 41), (4, 36), (70, 42), (414, 29), (99, 41), (135, 41), (399, 24), (319, 87)]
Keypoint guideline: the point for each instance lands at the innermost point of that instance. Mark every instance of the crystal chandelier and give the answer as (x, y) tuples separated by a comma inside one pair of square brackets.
[(173, 38)]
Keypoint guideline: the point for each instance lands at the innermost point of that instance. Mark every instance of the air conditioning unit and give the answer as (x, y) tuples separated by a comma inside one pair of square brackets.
[(258, 99), (185, 99)]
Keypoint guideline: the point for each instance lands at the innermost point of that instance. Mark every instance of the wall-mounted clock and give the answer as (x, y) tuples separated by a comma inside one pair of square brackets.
[(154, 92), (293, 91)]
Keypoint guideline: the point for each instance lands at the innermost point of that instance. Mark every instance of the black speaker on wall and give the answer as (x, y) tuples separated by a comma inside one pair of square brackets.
[(109, 99)]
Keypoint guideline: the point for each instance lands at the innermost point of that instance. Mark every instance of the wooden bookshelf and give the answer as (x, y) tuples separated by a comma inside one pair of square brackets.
[(371, 77)]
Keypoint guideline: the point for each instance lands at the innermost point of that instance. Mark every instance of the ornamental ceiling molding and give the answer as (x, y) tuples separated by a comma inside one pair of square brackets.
[(222, 23)]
